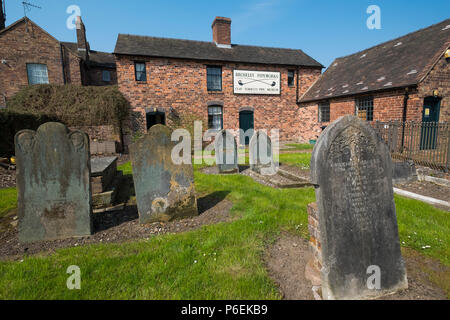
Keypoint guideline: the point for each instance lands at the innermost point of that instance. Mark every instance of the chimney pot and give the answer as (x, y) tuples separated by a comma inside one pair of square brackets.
[(221, 29)]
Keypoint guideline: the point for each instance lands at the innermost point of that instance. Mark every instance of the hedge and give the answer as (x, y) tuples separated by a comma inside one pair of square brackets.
[(73, 105), (11, 122)]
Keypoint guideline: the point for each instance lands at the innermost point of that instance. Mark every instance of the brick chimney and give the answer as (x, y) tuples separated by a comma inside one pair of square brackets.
[(221, 29), (83, 45), (2, 15)]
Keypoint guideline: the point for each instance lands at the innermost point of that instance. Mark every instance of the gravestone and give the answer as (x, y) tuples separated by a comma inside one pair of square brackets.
[(226, 152), (53, 181), (351, 169), (260, 154), (164, 190)]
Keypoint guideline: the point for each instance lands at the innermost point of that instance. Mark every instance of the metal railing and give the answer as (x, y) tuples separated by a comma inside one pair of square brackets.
[(425, 143)]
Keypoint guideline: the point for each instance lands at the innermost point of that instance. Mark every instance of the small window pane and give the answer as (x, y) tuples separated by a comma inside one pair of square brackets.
[(324, 112), (106, 76), (214, 78), (364, 108), (37, 73), (141, 74), (215, 118), (291, 78)]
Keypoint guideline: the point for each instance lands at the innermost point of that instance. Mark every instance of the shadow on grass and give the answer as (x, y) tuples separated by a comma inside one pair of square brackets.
[(207, 202)]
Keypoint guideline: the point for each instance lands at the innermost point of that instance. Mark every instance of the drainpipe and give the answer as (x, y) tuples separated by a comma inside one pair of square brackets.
[(405, 109), (62, 63)]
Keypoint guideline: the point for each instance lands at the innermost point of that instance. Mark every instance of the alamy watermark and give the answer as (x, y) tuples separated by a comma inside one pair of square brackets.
[(374, 20), (74, 12), (374, 280), (74, 280)]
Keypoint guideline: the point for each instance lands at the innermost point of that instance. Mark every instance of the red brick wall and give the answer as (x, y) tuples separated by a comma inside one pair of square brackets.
[(19, 47), (181, 84), (95, 77), (438, 79)]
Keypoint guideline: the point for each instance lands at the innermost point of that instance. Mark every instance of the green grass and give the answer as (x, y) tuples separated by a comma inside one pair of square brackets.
[(222, 261), (300, 146), (8, 200), (301, 160)]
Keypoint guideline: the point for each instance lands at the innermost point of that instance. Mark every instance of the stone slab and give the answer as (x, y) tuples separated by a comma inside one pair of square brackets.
[(351, 170), (164, 190), (53, 172)]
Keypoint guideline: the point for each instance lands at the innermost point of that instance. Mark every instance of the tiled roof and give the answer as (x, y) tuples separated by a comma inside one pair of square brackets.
[(398, 63), (201, 50)]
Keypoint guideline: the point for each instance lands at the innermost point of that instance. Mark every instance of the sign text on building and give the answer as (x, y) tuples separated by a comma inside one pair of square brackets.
[(256, 82)]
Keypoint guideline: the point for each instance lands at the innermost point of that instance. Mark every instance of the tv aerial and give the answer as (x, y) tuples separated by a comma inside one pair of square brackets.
[(27, 6)]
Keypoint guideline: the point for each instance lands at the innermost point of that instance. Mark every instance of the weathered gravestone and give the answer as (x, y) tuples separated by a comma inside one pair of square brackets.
[(351, 169), (53, 180), (260, 154), (164, 190), (226, 152)]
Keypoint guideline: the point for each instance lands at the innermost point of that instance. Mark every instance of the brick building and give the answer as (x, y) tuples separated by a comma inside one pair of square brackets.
[(29, 55), (405, 79), (227, 85)]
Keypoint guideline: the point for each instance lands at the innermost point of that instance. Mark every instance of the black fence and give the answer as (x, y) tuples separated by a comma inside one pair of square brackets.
[(425, 143)]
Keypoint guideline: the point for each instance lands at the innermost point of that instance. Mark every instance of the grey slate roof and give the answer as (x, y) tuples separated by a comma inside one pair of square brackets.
[(201, 50), (398, 63)]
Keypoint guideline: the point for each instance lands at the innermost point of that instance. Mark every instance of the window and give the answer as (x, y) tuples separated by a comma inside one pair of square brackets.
[(291, 74), (364, 108), (324, 112), (106, 76), (215, 118), (214, 78), (37, 73), (140, 72)]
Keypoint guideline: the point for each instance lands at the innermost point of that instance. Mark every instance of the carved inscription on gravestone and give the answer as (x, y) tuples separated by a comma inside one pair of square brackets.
[(53, 181), (352, 171), (164, 190)]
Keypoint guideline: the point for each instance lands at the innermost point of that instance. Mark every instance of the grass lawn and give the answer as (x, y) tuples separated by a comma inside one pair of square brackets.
[(8, 200), (222, 261), (300, 146)]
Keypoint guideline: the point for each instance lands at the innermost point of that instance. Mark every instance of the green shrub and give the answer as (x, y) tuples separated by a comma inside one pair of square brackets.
[(73, 105), (11, 122)]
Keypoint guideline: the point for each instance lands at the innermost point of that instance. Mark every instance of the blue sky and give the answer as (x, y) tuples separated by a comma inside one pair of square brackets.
[(324, 29)]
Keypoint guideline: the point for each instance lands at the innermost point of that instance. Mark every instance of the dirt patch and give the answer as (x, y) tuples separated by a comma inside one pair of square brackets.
[(428, 189), (7, 178), (287, 258), (120, 226), (286, 261)]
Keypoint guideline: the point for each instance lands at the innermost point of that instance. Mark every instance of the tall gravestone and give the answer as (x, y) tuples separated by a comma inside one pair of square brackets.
[(53, 181), (260, 154), (351, 169), (226, 152), (164, 190)]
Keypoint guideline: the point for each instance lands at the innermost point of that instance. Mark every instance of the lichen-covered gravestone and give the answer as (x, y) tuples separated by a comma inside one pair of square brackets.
[(226, 152), (164, 190), (53, 181), (260, 154), (351, 169)]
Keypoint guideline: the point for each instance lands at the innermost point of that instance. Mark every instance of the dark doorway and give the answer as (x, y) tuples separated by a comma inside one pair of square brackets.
[(430, 118), (246, 122), (155, 118)]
